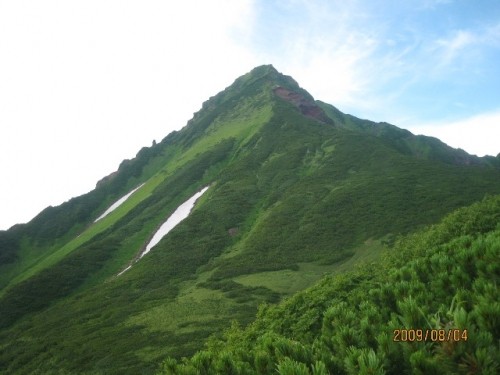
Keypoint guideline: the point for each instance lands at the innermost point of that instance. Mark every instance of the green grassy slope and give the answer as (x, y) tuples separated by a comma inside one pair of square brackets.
[(291, 197), (430, 306)]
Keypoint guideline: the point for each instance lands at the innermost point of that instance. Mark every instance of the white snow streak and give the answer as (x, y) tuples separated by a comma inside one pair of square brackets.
[(117, 204), (177, 216)]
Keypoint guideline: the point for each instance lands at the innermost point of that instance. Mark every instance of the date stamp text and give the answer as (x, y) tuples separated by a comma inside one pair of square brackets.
[(434, 335)]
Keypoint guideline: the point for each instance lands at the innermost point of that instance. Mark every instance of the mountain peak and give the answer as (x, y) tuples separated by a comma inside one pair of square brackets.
[(283, 87), (270, 74), (264, 69)]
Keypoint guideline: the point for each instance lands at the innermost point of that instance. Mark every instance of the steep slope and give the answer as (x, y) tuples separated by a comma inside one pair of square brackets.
[(294, 192)]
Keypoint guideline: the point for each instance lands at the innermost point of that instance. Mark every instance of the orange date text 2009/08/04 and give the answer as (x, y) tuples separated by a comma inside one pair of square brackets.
[(439, 335)]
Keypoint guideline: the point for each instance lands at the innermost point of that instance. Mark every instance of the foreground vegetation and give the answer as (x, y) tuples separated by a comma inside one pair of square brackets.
[(444, 279)]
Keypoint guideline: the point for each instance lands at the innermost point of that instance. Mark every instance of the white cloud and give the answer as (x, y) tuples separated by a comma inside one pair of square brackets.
[(478, 135), (330, 68)]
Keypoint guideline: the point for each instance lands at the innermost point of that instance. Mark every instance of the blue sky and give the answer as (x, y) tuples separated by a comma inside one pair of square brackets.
[(410, 62), (86, 84)]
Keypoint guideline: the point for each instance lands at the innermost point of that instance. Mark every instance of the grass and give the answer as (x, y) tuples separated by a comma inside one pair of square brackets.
[(187, 313), (289, 281), (241, 124)]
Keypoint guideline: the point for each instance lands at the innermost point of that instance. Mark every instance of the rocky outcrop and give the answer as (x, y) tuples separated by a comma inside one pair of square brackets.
[(106, 179), (306, 106)]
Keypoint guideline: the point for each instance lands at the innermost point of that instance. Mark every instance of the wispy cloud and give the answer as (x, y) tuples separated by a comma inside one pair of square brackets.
[(325, 49), (454, 46), (464, 45), (334, 71), (492, 35)]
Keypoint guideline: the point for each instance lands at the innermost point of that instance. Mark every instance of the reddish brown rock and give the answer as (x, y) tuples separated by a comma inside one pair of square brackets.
[(306, 106)]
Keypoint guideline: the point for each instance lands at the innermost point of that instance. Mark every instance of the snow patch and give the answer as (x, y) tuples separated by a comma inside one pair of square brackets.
[(179, 214), (117, 204), (125, 270)]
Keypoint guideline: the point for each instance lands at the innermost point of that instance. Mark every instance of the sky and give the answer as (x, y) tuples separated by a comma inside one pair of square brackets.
[(86, 84)]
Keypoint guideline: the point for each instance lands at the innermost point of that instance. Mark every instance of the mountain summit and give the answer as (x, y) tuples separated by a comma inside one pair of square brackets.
[(289, 189)]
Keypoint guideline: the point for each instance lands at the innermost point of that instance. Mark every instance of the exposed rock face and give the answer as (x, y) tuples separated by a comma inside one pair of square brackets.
[(306, 106)]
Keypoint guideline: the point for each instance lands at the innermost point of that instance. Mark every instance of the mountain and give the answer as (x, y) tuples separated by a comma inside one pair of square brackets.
[(296, 190)]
